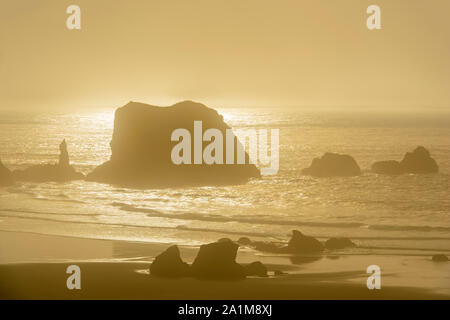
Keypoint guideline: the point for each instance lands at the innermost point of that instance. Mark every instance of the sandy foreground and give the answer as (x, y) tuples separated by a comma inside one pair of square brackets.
[(33, 266)]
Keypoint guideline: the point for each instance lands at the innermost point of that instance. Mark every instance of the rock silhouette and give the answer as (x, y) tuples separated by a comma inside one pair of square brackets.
[(440, 258), (64, 161), (60, 172), (339, 243), (244, 241), (418, 161), (300, 243), (256, 269), (217, 261), (266, 246), (169, 264), (141, 148), (6, 178), (333, 165)]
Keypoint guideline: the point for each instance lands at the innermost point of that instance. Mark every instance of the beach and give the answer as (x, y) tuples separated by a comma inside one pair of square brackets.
[(120, 270), (114, 232)]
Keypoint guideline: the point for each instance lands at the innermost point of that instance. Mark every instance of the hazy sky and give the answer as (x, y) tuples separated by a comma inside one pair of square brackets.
[(224, 53)]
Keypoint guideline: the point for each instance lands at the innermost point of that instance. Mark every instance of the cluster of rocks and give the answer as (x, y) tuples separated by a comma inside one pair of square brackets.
[(59, 172), (140, 158), (215, 260), (341, 165), (298, 244)]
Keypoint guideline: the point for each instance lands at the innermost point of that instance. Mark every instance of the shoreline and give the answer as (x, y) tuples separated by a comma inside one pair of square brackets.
[(128, 280), (113, 269)]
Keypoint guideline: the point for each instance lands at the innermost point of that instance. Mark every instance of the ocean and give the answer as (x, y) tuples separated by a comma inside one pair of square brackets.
[(401, 215)]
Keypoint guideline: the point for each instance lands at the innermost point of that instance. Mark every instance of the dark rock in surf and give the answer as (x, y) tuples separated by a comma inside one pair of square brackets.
[(279, 273), (440, 258), (141, 148), (170, 264), (217, 261), (60, 172), (6, 178), (299, 244), (339, 243), (266, 246), (244, 241), (256, 269), (418, 161), (333, 165)]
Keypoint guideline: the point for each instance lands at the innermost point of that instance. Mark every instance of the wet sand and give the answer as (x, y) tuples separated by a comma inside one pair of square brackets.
[(119, 270)]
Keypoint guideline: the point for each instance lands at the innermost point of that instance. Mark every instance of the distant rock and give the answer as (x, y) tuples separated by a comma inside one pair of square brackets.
[(60, 172), (217, 261), (141, 149), (300, 243), (244, 241), (339, 243), (169, 264), (256, 269), (279, 273), (6, 178), (266, 246), (333, 165), (418, 161), (440, 258)]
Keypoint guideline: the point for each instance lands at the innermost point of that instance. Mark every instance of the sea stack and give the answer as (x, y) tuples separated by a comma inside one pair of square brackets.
[(60, 172), (141, 148), (217, 260), (6, 178), (169, 264), (333, 165), (299, 244), (418, 161)]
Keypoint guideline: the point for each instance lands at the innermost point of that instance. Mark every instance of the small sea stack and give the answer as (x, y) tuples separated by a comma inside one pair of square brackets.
[(60, 172), (418, 161), (217, 260), (333, 165)]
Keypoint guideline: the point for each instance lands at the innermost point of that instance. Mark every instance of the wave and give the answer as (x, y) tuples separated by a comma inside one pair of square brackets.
[(259, 220), (408, 228), (40, 198), (49, 213), (276, 238), (220, 218)]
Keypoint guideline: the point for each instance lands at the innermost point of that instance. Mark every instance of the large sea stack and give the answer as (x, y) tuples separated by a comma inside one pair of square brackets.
[(141, 148), (5, 176)]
